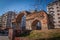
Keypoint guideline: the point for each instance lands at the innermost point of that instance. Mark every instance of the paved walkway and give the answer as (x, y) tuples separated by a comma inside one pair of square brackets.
[(4, 38)]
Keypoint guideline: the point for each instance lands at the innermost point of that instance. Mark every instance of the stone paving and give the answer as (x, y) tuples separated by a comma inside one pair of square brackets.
[(4, 38)]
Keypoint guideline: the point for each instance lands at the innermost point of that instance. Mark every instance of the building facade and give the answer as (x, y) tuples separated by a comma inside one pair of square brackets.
[(0, 21), (7, 19), (54, 10)]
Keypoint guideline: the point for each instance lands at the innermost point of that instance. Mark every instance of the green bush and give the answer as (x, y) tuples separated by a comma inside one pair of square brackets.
[(49, 34), (55, 34)]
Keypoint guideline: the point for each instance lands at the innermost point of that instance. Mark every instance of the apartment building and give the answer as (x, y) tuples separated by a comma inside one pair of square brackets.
[(7, 19), (53, 9), (0, 21)]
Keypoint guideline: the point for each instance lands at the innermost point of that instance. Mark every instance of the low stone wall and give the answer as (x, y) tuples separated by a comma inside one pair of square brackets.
[(41, 35)]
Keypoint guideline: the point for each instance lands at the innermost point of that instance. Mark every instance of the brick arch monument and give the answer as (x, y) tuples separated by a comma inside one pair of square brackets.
[(41, 16)]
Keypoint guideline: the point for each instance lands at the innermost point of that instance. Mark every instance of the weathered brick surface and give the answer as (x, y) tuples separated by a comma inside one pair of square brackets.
[(40, 16)]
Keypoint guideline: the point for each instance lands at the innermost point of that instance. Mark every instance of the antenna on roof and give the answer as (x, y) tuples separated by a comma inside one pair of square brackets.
[(37, 4)]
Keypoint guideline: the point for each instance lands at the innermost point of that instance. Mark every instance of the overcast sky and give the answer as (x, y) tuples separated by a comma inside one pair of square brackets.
[(21, 5)]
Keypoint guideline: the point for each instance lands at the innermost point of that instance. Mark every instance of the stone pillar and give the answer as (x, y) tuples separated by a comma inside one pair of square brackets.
[(18, 27), (28, 25), (44, 25), (10, 34)]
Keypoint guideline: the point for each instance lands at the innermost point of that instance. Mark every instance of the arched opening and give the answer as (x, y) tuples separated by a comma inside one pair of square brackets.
[(36, 25), (23, 22), (20, 24)]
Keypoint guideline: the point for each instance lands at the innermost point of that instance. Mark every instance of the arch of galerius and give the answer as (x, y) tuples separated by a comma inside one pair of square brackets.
[(31, 18)]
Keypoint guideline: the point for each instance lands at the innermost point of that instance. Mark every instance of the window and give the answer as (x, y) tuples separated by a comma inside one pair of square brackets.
[(59, 21), (54, 22), (59, 25), (57, 7), (58, 14), (58, 10), (51, 8), (59, 4), (58, 17), (51, 12), (56, 3)]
